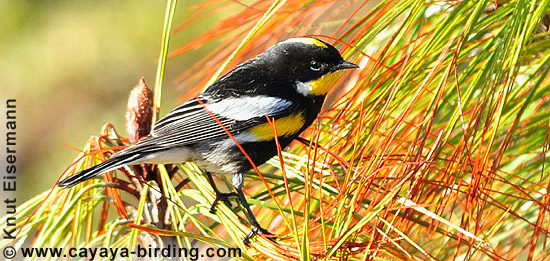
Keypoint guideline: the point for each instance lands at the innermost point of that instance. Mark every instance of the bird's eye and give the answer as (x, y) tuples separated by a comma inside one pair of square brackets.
[(315, 65)]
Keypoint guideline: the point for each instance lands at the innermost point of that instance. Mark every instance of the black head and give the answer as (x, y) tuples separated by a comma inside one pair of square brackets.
[(307, 65), (309, 62)]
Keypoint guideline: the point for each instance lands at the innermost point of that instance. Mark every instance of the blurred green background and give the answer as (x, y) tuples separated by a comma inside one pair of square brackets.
[(71, 65)]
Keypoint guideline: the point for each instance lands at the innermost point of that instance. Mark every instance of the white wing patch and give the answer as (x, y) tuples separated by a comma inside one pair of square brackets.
[(246, 108)]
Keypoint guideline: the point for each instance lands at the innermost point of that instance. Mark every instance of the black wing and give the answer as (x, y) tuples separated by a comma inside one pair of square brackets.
[(191, 123)]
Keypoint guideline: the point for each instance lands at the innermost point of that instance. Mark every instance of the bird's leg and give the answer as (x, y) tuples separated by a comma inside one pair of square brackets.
[(238, 180), (219, 195)]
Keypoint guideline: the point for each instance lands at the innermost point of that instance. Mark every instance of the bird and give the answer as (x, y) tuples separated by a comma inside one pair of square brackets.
[(225, 129)]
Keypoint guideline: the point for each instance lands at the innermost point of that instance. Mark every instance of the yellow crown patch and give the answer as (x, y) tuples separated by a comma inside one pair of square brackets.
[(307, 40)]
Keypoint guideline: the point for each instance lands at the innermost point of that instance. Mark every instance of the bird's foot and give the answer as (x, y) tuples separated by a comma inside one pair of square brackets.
[(255, 231), (224, 197)]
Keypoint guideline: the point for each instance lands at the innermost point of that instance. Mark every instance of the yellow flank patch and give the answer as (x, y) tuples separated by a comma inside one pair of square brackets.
[(323, 85), (286, 126), (307, 40)]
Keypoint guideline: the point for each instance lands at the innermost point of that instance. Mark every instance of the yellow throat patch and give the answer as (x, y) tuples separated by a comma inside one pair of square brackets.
[(320, 86), (286, 126), (323, 85)]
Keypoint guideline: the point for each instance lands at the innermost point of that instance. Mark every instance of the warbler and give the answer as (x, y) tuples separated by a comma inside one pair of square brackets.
[(287, 83)]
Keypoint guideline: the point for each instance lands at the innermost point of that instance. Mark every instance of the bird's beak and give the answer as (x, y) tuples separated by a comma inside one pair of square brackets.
[(346, 65)]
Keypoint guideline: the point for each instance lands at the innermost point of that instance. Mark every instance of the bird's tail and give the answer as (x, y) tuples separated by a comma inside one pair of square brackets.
[(109, 165)]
